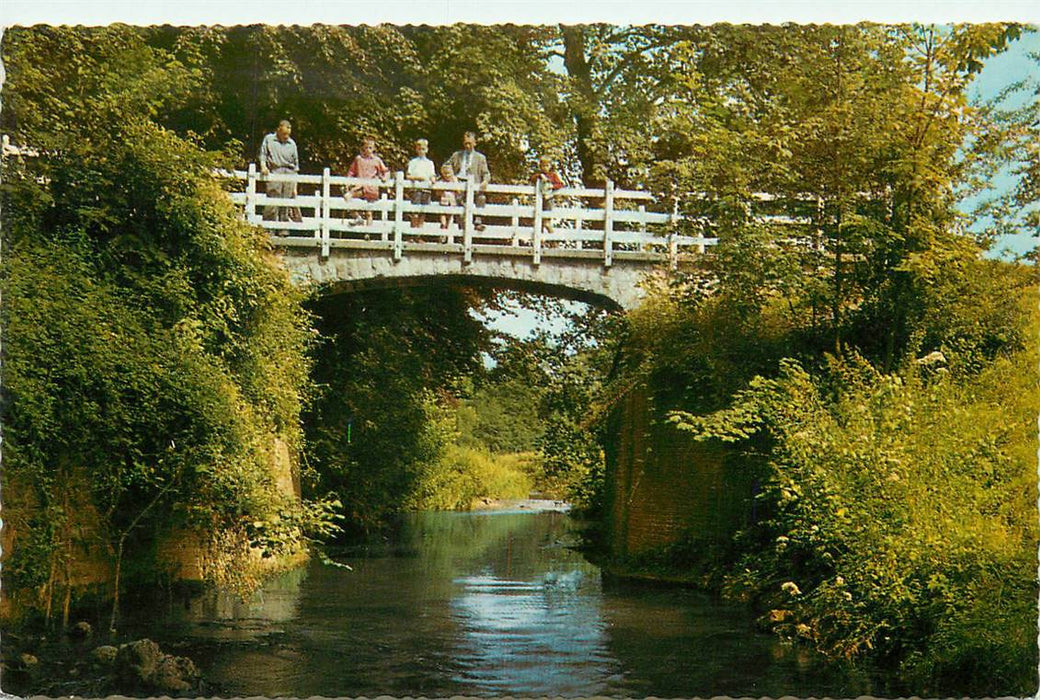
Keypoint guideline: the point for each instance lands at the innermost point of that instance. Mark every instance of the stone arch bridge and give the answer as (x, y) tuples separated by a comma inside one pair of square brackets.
[(592, 245)]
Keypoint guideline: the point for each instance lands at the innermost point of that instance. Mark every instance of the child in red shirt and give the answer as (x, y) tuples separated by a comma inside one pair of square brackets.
[(547, 179)]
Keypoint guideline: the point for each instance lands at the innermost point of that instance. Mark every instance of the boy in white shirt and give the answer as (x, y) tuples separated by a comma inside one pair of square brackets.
[(421, 172)]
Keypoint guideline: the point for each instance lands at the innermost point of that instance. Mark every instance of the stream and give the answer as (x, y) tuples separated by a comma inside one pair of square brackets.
[(483, 603)]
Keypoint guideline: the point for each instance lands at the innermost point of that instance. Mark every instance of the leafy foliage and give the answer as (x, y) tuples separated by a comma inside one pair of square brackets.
[(897, 516), (341, 84), (860, 133), (152, 346), (386, 361)]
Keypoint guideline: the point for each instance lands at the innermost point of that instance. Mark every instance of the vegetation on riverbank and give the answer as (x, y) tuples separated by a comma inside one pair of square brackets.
[(155, 355), (896, 515), (882, 394), (408, 415), (900, 516)]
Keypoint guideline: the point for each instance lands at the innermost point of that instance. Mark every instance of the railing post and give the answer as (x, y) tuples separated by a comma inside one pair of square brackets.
[(579, 220), (326, 210), (608, 226), (516, 223), (452, 220), (251, 194), (673, 251), (536, 239), (398, 212), (467, 225), (642, 226), (383, 235)]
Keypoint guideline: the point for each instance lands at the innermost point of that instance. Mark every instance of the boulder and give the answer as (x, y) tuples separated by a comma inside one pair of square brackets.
[(104, 655), (136, 662), (141, 665), (175, 674)]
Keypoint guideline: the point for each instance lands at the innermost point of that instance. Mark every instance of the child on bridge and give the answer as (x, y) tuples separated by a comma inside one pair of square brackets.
[(369, 166), (420, 173), (548, 182), (449, 198)]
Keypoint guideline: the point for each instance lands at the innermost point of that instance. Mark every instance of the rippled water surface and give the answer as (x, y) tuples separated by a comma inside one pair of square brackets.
[(483, 604)]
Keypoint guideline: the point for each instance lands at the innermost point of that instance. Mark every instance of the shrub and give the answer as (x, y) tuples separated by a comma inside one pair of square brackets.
[(903, 521)]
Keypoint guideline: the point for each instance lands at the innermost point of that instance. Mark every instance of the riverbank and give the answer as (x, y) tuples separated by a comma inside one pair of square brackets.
[(80, 663)]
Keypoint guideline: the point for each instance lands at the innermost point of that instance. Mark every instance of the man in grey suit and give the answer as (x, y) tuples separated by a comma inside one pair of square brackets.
[(471, 165), (278, 154)]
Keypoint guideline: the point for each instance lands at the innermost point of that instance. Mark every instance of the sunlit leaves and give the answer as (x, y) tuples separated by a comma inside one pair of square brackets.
[(883, 492)]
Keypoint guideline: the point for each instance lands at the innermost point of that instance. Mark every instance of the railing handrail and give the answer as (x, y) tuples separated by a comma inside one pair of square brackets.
[(388, 182), (602, 232)]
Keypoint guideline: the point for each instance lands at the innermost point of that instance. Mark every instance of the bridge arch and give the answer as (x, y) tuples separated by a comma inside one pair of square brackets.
[(347, 269)]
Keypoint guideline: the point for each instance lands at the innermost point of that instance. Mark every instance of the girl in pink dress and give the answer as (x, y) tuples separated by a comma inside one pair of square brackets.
[(367, 165)]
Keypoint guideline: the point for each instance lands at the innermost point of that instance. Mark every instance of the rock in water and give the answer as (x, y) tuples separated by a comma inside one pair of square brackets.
[(28, 662), (105, 655), (136, 662), (142, 665), (174, 674)]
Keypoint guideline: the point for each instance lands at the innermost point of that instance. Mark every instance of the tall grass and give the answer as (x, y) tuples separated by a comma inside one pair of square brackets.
[(464, 476)]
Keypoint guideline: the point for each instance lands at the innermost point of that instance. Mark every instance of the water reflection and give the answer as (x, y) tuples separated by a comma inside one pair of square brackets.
[(482, 604), (543, 637)]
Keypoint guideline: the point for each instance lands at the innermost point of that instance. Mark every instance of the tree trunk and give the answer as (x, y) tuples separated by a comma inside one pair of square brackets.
[(66, 604), (51, 578), (582, 102), (115, 585)]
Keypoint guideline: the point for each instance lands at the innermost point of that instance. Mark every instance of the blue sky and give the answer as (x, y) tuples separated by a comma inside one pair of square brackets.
[(999, 72)]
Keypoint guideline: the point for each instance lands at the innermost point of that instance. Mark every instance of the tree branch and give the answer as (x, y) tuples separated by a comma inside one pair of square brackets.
[(626, 61)]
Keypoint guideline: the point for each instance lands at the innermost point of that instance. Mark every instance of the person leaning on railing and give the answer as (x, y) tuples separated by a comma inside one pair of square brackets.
[(449, 198), (546, 179), (470, 164), (278, 154), (421, 173), (369, 166)]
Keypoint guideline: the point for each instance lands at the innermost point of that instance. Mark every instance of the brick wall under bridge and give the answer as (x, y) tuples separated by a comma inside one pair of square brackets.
[(588, 280), (663, 486)]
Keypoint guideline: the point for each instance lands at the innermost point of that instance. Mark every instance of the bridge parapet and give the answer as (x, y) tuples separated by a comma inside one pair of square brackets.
[(604, 226)]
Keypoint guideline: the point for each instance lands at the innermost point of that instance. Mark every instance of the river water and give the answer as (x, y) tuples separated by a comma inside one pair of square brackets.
[(484, 603)]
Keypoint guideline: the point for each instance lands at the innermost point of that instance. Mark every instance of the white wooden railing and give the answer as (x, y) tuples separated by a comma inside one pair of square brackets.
[(605, 224)]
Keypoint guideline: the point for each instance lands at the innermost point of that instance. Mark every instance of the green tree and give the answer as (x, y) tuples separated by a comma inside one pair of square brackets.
[(855, 132), (340, 84), (386, 366), (154, 351)]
